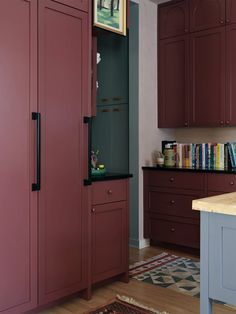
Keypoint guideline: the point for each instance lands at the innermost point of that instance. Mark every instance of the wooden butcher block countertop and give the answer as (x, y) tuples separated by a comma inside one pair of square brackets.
[(220, 204)]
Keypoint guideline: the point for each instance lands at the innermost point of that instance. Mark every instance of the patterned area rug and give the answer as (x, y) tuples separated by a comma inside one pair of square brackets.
[(124, 305), (169, 271)]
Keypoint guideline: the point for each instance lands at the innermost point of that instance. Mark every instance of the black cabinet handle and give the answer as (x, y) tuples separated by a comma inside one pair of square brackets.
[(87, 120), (37, 117)]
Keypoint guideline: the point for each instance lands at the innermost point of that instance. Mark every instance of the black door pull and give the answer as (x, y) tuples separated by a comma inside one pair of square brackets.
[(37, 117)]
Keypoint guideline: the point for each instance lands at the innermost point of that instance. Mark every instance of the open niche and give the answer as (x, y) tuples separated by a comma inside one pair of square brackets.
[(110, 125)]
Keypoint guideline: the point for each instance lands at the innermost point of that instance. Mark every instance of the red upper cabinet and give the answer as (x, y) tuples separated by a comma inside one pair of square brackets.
[(230, 75), (207, 68), (18, 210), (205, 14), (77, 4), (173, 82), (173, 19), (230, 11)]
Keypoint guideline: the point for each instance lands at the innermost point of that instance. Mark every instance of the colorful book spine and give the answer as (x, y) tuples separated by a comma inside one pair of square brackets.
[(205, 155)]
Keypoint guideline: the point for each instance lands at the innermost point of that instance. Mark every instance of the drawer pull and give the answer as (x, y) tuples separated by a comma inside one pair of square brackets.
[(172, 202), (172, 229), (93, 210), (172, 179), (231, 182), (109, 192)]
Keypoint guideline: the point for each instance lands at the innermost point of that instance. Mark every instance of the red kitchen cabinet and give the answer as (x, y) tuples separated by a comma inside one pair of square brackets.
[(208, 69), (168, 215), (18, 210), (44, 73), (206, 14), (230, 11), (230, 74), (109, 216), (219, 184), (173, 82), (63, 67), (94, 77), (173, 19), (82, 5)]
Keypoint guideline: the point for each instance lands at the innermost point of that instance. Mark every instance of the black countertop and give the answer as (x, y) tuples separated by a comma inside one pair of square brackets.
[(111, 176), (158, 168)]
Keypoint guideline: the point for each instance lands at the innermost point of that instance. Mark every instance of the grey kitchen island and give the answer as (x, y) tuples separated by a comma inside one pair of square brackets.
[(218, 250)]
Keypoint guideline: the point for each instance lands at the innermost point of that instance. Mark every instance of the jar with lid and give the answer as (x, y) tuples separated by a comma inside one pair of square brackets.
[(169, 156)]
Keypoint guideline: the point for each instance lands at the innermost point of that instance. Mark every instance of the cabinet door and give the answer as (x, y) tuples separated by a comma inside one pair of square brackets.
[(222, 258), (18, 210), (77, 4), (63, 48), (94, 77), (205, 14), (109, 240), (230, 11), (173, 82), (221, 183), (207, 68), (231, 75), (173, 19)]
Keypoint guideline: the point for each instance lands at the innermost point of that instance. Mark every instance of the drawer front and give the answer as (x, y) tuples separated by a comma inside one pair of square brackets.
[(175, 233), (109, 191), (221, 182), (172, 204), (174, 179)]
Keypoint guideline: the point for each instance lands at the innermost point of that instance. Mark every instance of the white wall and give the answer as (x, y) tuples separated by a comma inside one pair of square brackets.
[(206, 135), (150, 136)]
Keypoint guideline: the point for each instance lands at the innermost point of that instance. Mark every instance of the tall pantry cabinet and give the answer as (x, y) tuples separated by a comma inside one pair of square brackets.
[(43, 74), (62, 92)]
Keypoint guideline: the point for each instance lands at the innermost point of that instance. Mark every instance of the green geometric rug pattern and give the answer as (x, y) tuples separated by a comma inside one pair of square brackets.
[(169, 271)]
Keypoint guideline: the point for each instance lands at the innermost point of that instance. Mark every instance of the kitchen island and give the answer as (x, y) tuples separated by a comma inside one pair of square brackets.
[(218, 250)]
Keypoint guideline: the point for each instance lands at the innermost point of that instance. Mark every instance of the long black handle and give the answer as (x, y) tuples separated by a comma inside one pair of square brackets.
[(88, 121), (37, 117)]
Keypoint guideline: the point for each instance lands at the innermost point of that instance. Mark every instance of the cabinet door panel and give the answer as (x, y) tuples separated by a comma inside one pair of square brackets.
[(173, 82), (94, 77), (222, 258), (205, 14), (207, 68), (231, 75), (109, 240), (62, 91), (230, 11), (77, 4), (172, 203), (18, 210), (175, 179), (173, 19), (174, 232), (224, 183)]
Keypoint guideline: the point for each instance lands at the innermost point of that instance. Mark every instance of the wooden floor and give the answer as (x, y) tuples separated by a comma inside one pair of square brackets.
[(159, 298)]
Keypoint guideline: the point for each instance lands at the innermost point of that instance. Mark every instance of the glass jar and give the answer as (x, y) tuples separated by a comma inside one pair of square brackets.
[(169, 156)]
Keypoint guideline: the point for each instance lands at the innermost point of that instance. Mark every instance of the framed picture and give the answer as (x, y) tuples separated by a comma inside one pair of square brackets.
[(110, 15)]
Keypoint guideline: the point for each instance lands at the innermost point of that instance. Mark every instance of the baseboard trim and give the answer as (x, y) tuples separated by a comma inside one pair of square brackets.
[(144, 243), (139, 244)]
